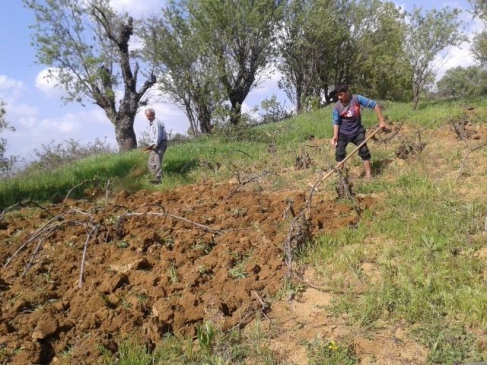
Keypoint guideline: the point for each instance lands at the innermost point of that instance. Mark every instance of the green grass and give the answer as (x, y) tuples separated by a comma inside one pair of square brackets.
[(212, 348), (422, 238)]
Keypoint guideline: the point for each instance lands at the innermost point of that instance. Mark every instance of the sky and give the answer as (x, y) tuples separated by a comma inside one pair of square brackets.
[(34, 107)]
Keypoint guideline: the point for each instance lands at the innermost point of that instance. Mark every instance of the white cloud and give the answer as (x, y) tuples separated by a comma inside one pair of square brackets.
[(10, 89), (47, 83), (22, 115), (138, 7)]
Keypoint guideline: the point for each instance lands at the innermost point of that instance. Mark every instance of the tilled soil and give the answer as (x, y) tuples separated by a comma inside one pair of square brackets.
[(85, 273)]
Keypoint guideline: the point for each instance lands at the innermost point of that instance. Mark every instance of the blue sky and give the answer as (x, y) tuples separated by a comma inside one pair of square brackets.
[(34, 107)]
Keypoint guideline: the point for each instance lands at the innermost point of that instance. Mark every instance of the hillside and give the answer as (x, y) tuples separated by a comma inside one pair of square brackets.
[(80, 276)]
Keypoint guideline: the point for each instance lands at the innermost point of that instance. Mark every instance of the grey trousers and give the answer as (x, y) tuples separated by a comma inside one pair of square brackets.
[(155, 161)]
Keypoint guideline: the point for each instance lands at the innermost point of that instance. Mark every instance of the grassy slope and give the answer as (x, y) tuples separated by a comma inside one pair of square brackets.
[(424, 240)]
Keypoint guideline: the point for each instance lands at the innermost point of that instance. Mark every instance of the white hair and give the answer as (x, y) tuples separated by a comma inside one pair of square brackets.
[(150, 110)]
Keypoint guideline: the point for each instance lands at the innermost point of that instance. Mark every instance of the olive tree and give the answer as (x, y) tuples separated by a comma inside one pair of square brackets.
[(239, 36), (427, 35), (86, 45), (309, 41), (324, 42), (186, 72)]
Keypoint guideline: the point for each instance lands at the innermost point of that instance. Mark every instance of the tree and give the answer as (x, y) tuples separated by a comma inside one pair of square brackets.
[(463, 82), (239, 35), (479, 48), (325, 42), (382, 70), (479, 44), (479, 8), (86, 45), (309, 36), (5, 162), (186, 72), (426, 36)]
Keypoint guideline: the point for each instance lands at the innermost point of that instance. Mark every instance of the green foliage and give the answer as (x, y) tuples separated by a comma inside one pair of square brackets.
[(188, 74), (273, 111), (427, 34), (211, 52), (75, 178), (385, 72), (85, 45), (448, 344), (463, 82), (55, 155), (205, 334), (479, 48), (6, 163), (326, 42), (330, 353), (239, 38), (223, 349)]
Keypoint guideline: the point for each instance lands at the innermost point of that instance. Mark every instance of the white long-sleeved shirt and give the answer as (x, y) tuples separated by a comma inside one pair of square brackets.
[(157, 132)]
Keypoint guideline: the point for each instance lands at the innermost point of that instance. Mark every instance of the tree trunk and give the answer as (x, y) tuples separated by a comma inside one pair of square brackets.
[(299, 102), (236, 112), (204, 119), (125, 135)]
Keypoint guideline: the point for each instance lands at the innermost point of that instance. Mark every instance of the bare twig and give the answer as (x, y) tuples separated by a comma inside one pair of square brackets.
[(8, 209), (199, 225), (462, 164), (289, 209), (245, 153), (244, 179), (22, 204), (318, 287), (94, 230), (265, 306), (34, 254), (343, 181), (74, 187), (107, 192), (288, 251), (34, 236)]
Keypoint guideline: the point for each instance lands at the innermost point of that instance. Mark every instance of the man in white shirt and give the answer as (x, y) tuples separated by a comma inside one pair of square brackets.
[(158, 145)]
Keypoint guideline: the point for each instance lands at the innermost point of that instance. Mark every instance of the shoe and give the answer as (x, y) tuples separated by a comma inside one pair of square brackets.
[(155, 181)]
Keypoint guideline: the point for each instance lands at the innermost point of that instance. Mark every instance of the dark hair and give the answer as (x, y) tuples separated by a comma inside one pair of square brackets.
[(341, 88)]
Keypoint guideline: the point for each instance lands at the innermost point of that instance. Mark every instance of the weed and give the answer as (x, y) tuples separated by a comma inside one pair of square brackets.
[(330, 352), (122, 244), (173, 274), (142, 298), (237, 272), (205, 334), (169, 243), (448, 344), (203, 270)]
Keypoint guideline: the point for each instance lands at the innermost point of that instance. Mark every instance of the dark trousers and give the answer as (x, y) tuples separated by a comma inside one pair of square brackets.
[(343, 141)]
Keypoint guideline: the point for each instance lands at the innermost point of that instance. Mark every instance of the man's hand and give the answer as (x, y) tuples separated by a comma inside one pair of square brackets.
[(334, 141)]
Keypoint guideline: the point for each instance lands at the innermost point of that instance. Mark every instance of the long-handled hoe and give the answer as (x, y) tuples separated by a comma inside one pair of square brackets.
[(329, 173)]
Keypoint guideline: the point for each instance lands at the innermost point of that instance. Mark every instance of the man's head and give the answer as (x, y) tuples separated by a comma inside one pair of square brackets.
[(342, 92), (150, 114)]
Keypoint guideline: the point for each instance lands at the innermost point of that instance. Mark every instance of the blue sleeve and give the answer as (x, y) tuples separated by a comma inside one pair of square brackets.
[(336, 118), (366, 103)]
